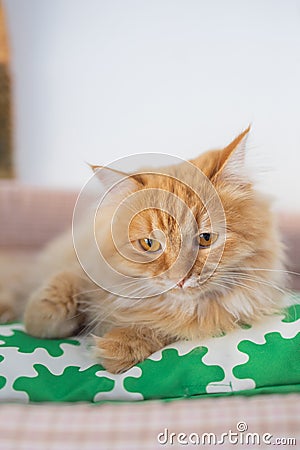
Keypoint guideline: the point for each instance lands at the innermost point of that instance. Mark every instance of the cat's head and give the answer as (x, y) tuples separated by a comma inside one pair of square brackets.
[(187, 227)]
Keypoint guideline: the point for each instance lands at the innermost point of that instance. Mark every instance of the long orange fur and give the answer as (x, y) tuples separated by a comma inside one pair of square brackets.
[(247, 284)]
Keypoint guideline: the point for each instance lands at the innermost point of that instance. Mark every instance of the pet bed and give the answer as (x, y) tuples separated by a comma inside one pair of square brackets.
[(261, 359)]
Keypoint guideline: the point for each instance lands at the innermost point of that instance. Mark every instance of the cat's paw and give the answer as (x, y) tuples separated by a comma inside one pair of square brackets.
[(52, 311), (120, 349)]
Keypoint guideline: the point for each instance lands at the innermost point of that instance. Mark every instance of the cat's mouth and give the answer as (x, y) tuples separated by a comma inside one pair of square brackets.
[(183, 288), (180, 284), (186, 283)]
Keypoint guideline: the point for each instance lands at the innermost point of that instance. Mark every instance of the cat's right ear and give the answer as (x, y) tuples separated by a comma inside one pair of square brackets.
[(112, 179)]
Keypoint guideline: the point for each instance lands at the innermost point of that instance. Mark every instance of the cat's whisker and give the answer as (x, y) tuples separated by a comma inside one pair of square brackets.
[(89, 327), (262, 269), (225, 283), (127, 284), (138, 294), (125, 287), (250, 277), (240, 284), (236, 277), (257, 279), (88, 301), (215, 283), (100, 319), (90, 291), (236, 282)]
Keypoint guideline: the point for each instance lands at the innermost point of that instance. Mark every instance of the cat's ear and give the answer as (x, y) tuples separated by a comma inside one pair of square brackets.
[(231, 160), (110, 179)]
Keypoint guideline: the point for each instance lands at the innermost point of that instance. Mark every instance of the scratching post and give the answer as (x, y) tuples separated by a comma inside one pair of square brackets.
[(6, 163)]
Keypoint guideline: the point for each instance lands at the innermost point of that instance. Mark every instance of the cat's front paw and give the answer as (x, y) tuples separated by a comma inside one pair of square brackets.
[(51, 311), (121, 348)]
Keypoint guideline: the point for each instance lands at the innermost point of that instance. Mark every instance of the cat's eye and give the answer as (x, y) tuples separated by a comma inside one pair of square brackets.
[(207, 239), (150, 245)]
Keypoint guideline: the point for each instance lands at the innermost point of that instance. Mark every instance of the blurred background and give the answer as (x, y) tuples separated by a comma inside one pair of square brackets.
[(97, 80)]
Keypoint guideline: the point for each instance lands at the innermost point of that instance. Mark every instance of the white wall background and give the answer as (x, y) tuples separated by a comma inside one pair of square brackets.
[(99, 79)]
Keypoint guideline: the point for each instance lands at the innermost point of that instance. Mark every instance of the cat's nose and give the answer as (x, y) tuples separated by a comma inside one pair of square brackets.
[(181, 283)]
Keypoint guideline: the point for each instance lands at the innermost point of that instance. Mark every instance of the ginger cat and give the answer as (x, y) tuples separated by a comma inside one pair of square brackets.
[(179, 265)]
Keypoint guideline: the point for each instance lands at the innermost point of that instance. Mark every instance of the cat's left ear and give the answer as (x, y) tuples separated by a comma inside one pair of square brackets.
[(231, 164), (111, 179)]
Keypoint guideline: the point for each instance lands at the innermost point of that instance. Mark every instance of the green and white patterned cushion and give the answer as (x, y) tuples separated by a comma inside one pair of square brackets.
[(262, 358)]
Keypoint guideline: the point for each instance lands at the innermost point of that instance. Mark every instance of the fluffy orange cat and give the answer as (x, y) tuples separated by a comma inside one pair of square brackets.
[(182, 267)]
